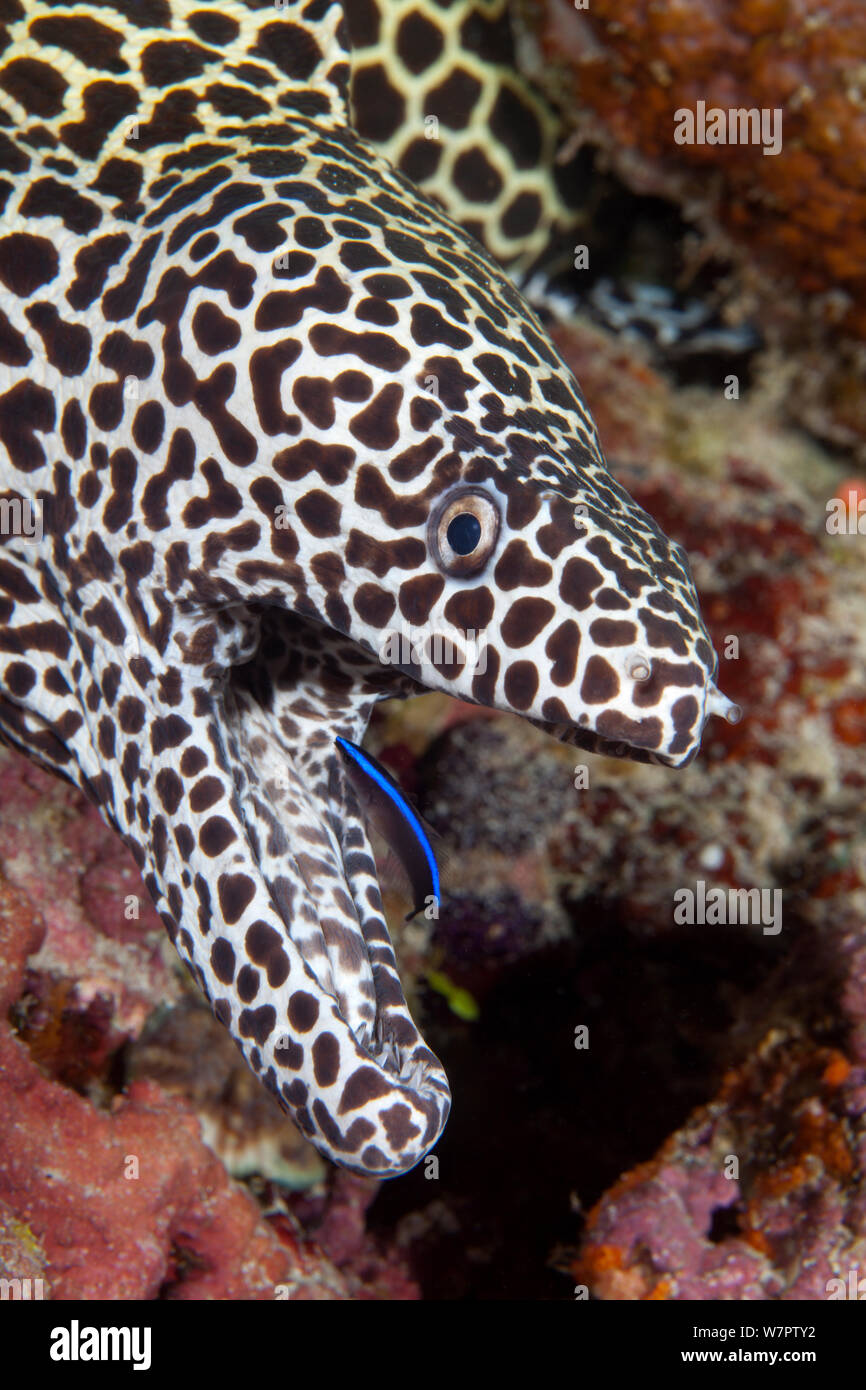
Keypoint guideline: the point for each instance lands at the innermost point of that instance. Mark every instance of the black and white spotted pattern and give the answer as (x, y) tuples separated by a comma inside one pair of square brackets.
[(252, 377)]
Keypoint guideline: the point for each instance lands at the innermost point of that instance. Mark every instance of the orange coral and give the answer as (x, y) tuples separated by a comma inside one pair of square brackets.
[(792, 224), (635, 65)]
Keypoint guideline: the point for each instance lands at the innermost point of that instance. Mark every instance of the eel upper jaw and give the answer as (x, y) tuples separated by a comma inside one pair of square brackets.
[(578, 736)]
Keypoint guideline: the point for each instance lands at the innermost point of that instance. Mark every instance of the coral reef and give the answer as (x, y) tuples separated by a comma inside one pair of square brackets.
[(126, 1203), (523, 792), (189, 1054), (759, 1196), (107, 1188), (794, 222)]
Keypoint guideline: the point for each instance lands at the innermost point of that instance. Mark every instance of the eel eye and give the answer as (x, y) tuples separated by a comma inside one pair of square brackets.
[(462, 532), (640, 668)]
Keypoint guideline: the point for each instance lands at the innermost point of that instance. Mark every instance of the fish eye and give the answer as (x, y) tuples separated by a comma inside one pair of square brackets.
[(463, 530), (463, 533)]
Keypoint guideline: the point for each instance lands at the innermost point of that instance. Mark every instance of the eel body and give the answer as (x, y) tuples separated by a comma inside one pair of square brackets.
[(270, 407)]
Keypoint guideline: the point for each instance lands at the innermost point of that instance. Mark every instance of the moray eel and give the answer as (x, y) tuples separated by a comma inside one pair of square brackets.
[(269, 404)]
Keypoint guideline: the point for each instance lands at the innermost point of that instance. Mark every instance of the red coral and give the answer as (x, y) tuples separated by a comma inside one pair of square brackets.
[(130, 1203)]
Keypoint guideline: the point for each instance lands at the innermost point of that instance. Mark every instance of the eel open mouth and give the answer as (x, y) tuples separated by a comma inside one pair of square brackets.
[(315, 999)]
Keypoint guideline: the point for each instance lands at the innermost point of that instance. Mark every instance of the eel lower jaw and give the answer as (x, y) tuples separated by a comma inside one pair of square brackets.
[(305, 685)]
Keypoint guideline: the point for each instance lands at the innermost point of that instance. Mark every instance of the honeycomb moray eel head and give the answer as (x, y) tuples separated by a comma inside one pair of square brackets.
[(294, 445)]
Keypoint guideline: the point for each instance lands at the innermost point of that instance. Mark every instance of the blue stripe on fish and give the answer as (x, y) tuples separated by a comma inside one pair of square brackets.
[(388, 808)]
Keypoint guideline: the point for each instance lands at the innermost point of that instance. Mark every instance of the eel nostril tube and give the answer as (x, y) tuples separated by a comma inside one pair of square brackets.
[(717, 703)]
